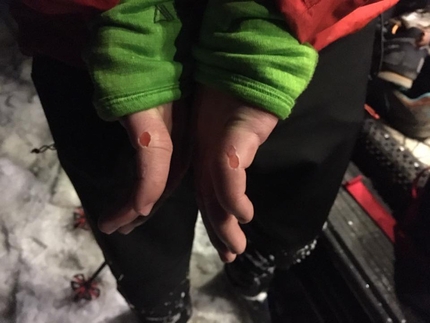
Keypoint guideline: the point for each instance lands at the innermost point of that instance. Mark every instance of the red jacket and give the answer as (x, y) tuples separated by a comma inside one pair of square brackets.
[(319, 22)]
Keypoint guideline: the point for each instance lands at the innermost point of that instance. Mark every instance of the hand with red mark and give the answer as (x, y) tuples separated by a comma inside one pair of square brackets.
[(152, 133), (229, 133)]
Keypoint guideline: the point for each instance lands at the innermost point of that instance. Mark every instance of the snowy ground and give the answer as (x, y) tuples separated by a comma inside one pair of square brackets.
[(39, 249)]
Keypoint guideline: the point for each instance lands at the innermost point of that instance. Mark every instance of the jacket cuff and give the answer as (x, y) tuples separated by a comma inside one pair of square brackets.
[(110, 109), (248, 90), (246, 49), (134, 59)]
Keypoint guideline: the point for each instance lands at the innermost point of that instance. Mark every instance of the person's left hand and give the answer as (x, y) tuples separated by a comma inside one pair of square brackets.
[(229, 133)]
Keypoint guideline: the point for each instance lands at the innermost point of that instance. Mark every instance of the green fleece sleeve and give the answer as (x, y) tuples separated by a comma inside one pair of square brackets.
[(246, 49), (138, 57)]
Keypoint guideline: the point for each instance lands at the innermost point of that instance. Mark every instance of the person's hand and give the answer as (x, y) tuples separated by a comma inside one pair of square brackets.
[(149, 133), (229, 133)]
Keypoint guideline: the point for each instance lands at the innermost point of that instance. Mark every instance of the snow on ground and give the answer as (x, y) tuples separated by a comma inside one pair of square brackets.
[(39, 249)]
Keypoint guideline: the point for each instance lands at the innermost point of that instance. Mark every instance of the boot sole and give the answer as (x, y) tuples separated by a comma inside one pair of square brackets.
[(396, 79)]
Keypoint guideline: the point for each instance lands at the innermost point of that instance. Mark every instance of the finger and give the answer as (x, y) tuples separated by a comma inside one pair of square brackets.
[(225, 255), (150, 136), (139, 220), (223, 252), (224, 225), (114, 221), (133, 225), (228, 170), (212, 216)]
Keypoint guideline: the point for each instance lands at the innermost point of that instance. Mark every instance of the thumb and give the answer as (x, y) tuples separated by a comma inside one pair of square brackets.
[(148, 132), (236, 153)]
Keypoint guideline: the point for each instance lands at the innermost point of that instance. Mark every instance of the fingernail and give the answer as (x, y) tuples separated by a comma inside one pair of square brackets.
[(146, 210), (144, 139), (233, 158)]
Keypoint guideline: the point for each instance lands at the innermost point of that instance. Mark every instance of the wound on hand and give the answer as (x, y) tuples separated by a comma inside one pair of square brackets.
[(233, 158), (144, 139)]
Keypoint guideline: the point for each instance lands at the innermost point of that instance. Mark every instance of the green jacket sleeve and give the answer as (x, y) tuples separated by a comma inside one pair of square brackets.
[(246, 49), (138, 57)]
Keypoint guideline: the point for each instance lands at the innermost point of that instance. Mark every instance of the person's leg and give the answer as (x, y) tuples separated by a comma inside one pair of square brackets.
[(298, 171), (151, 263)]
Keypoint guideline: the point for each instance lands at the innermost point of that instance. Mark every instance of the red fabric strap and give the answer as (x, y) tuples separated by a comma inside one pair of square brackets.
[(58, 7), (371, 205)]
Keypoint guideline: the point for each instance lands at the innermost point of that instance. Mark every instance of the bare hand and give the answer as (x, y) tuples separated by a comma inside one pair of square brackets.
[(229, 133), (149, 133)]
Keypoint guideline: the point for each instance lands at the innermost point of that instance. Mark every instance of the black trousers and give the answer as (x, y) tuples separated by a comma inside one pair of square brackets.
[(292, 182)]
